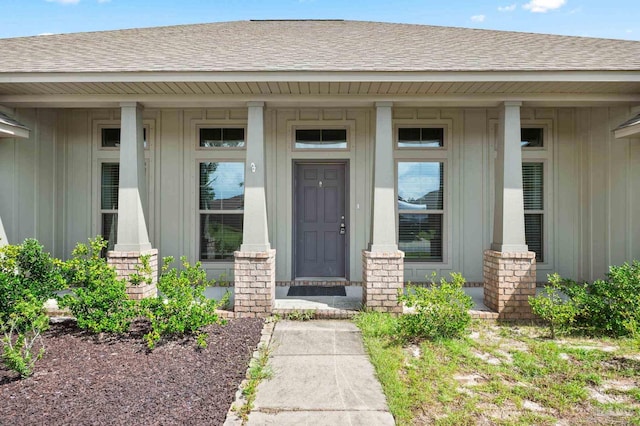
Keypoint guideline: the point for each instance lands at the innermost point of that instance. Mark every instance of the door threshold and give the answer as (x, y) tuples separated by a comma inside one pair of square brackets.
[(321, 279)]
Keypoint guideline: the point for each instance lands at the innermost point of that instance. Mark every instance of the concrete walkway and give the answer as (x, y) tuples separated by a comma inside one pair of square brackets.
[(321, 376)]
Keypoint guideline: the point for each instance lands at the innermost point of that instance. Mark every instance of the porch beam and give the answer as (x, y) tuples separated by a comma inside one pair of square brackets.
[(255, 234), (508, 216), (133, 235), (240, 100), (383, 232)]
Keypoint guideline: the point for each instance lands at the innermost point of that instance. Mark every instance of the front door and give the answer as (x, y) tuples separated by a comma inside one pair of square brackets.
[(320, 232)]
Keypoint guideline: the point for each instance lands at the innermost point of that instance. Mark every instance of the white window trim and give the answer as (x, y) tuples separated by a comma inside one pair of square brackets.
[(216, 124), (197, 124), (440, 154), (445, 124), (200, 212), (543, 155), (321, 125), (446, 234)]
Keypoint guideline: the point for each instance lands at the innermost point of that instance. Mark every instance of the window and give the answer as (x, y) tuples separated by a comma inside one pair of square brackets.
[(532, 137), (222, 137), (109, 181), (221, 204), (420, 188), (321, 139), (533, 190), (420, 137), (110, 137)]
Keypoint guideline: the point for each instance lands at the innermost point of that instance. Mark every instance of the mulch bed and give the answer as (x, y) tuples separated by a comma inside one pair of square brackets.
[(87, 379)]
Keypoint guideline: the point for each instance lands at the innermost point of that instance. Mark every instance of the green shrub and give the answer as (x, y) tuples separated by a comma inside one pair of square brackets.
[(610, 306), (559, 313), (26, 270), (441, 311), (99, 300), (22, 335), (182, 307)]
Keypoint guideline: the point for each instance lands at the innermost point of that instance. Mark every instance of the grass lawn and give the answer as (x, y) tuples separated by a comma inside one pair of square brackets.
[(505, 375)]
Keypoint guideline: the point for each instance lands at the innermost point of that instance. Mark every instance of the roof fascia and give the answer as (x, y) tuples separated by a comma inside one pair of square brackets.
[(326, 76), (197, 101)]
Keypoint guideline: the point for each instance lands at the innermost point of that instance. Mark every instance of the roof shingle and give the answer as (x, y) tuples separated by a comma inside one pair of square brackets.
[(313, 46)]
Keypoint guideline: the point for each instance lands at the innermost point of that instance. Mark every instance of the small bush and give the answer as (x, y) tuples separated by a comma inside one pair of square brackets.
[(610, 306), (99, 300), (559, 313), (183, 307), (27, 271), (442, 310), (22, 335)]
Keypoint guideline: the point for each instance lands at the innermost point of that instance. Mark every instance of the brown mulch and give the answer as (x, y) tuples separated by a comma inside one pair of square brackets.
[(84, 379)]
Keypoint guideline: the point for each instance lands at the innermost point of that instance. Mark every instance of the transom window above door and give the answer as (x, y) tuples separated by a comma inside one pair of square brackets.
[(321, 139), (420, 137)]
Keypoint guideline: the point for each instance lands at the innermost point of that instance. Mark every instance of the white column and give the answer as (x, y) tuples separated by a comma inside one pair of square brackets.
[(3, 235), (384, 221), (133, 235), (508, 215), (255, 235)]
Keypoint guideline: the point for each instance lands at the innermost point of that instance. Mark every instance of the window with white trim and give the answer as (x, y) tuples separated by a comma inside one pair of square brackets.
[(533, 186), (420, 137), (222, 137), (109, 183), (420, 188), (321, 139), (221, 209)]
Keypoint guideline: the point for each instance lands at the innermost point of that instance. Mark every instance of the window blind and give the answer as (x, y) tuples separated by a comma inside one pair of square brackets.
[(533, 191)]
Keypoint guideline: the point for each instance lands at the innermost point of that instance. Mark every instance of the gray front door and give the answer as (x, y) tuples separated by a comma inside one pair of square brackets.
[(321, 228)]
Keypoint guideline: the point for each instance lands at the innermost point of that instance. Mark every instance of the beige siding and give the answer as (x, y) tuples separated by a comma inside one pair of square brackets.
[(27, 179), (49, 183)]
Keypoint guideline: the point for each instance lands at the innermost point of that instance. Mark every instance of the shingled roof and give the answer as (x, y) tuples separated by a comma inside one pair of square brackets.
[(313, 46)]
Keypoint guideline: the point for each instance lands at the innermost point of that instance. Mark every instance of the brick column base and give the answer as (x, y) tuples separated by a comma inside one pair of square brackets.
[(255, 283), (382, 278), (125, 263), (509, 280)]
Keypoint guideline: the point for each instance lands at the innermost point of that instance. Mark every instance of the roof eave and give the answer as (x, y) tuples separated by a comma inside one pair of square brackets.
[(322, 76)]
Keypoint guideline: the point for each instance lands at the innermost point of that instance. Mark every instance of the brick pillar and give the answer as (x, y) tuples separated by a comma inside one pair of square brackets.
[(125, 263), (255, 283), (509, 280), (382, 278)]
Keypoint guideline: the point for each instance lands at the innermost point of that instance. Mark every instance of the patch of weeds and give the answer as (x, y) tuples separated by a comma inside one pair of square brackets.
[(544, 382), (296, 315), (259, 370), (389, 361)]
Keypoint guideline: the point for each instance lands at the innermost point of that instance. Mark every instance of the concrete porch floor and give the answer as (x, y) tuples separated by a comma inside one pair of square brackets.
[(351, 302)]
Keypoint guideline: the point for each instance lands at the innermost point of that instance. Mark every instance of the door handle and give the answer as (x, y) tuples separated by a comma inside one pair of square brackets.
[(342, 229)]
